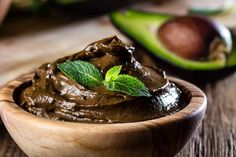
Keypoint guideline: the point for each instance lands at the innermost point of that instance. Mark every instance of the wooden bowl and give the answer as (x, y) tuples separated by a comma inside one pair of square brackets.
[(162, 137)]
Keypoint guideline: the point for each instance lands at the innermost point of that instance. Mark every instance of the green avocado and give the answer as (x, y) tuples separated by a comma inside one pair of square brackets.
[(142, 26)]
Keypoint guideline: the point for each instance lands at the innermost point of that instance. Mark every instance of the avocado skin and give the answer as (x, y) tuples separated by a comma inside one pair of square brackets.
[(196, 76)]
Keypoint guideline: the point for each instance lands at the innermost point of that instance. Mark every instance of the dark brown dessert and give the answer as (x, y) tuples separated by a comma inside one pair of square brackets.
[(55, 96)]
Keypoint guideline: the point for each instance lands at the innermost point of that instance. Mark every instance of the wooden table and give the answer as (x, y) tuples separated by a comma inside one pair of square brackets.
[(26, 44)]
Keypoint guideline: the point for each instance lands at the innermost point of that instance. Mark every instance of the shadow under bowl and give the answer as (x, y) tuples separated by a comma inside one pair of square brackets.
[(162, 137)]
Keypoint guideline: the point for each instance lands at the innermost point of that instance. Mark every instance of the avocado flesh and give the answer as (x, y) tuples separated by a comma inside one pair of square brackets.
[(142, 28)]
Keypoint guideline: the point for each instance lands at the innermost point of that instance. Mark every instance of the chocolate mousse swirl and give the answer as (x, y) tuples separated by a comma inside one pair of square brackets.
[(53, 95)]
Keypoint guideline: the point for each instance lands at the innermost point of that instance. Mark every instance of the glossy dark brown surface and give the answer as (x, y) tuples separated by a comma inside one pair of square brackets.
[(55, 96)]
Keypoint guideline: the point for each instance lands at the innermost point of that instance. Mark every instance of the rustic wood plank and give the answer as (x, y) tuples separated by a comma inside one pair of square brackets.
[(217, 135), (8, 148)]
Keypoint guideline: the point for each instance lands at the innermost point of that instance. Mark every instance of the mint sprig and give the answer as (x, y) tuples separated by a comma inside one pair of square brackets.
[(89, 76), (113, 73), (127, 84), (82, 72)]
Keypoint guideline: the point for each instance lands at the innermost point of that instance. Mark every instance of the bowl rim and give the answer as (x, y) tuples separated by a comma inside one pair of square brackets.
[(197, 105)]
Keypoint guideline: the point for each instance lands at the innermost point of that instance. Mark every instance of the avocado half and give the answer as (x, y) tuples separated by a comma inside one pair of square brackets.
[(141, 27)]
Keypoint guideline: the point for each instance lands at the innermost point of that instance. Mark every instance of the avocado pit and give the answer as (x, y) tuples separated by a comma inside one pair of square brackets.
[(195, 38)]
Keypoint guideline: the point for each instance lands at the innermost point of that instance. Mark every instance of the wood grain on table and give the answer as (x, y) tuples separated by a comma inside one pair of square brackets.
[(26, 44)]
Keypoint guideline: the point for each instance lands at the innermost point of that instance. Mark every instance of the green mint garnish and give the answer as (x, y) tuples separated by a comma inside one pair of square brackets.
[(127, 84), (113, 73), (82, 72), (89, 76)]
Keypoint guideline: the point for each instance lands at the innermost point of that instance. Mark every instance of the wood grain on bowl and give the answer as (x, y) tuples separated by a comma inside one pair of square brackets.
[(162, 137)]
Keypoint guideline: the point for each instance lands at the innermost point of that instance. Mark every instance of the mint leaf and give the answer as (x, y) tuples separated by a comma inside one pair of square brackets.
[(127, 84), (89, 76), (113, 73), (82, 72)]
